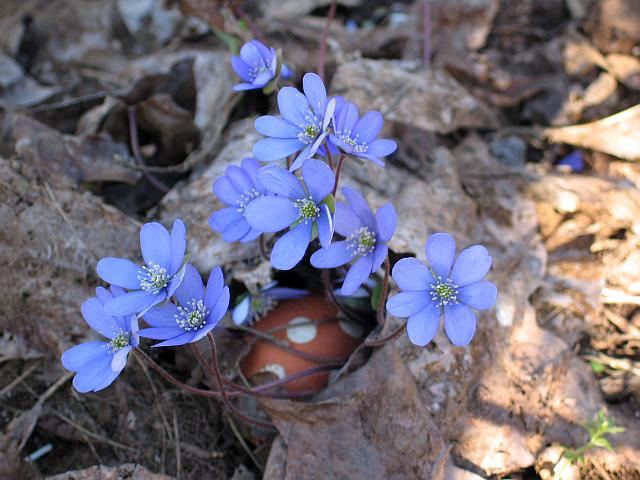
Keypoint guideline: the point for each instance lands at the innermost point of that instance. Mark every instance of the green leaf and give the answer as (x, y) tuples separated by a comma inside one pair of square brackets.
[(375, 296), (232, 42), (601, 442), (330, 202), (596, 366)]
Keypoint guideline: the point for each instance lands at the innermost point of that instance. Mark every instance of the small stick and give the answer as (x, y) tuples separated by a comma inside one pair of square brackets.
[(378, 342), (323, 42)]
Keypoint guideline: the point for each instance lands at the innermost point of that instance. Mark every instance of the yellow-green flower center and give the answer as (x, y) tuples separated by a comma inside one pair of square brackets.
[(307, 209)]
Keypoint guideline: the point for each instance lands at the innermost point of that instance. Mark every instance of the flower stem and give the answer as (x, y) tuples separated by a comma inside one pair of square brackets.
[(378, 342), (338, 170), (257, 391), (135, 150), (329, 156), (225, 398), (322, 52), (326, 281), (383, 292)]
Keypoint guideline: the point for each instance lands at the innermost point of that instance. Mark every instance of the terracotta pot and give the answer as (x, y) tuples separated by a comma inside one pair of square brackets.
[(331, 338)]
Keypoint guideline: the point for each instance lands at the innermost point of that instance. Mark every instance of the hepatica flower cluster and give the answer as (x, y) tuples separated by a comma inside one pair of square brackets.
[(284, 201)]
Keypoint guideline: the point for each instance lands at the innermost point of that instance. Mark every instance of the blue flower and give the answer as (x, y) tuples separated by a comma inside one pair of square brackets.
[(256, 65), (299, 207), (365, 239), (453, 286), (236, 188), (302, 126), (97, 364), (155, 281), (357, 136), (198, 311), (256, 305)]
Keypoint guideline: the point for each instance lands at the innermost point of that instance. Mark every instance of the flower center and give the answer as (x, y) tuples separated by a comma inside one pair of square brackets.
[(361, 241), (245, 198), (345, 136), (444, 292), (118, 342), (307, 209), (192, 316), (153, 278), (309, 133), (257, 70), (261, 305)]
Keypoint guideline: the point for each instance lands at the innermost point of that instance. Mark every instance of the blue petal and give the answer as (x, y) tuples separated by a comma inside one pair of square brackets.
[(240, 67), (371, 158), (251, 235), (95, 315), (240, 179), (92, 375), (379, 254), (423, 326), (280, 181), (116, 291), (251, 54), (155, 242), (191, 287), (318, 178), (325, 226), (359, 207), (203, 331), (328, 114), (480, 295), (369, 126), (283, 293), (120, 272), (316, 92), (411, 274), (386, 222), (220, 308), (225, 192), (221, 219), (119, 361), (346, 219), (290, 248), (80, 355), (133, 302), (303, 156), (459, 323), (241, 312), (178, 245), (346, 118), (271, 149), (181, 339), (441, 251), (293, 106), (405, 304), (271, 214), (277, 127), (263, 78), (381, 148), (357, 275), (251, 167), (161, 333), (240, 87), (173, 285), (236, 230), (266, 53), (162, 316), (215, 285), (103, 294), (471, 266), (106, 379), (337, 254)]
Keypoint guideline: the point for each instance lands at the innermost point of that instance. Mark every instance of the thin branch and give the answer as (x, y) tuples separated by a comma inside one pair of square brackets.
[(338, 170), (135, 149), (383, 292)]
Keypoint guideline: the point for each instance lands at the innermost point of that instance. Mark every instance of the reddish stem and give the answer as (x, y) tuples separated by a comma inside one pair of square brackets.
[(338, 170), (225, 398), (135, 150), (325, 35), (329, 156), (238, 12), (377, 342)]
